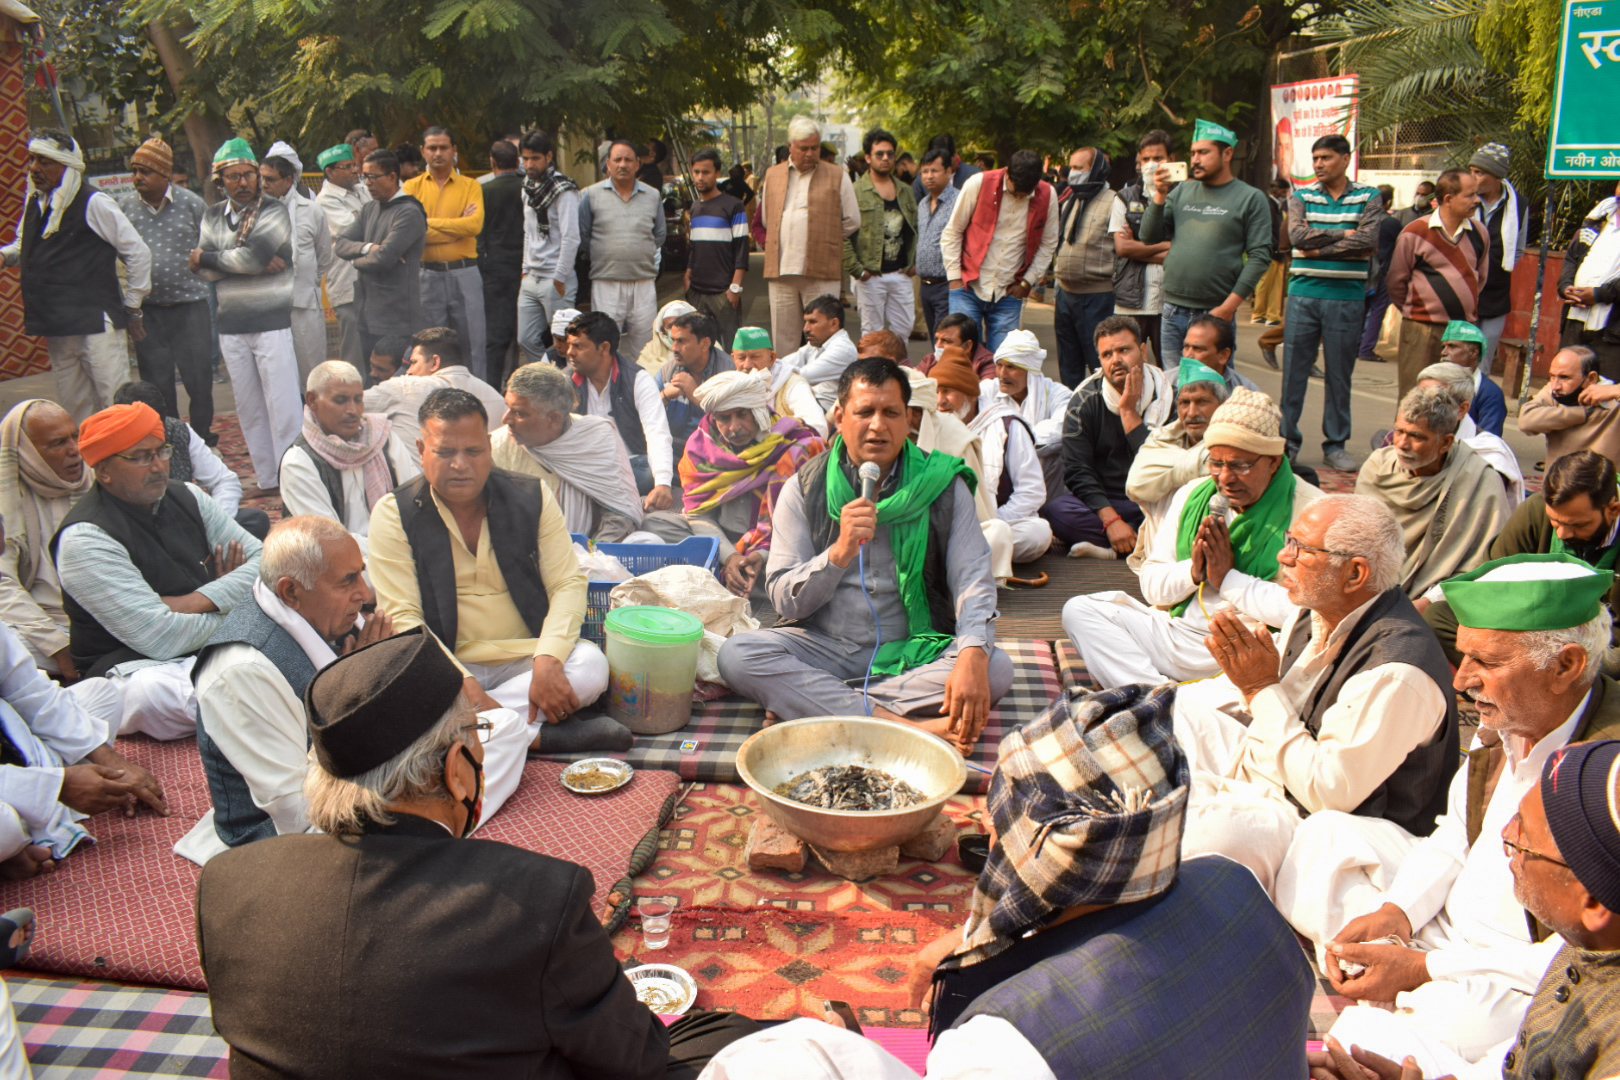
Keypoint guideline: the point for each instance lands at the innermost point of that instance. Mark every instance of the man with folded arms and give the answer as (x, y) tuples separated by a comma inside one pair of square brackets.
[(345, 459), (1018, 381), (149, 569), (924, 558), (480, 557), (1532, 628)]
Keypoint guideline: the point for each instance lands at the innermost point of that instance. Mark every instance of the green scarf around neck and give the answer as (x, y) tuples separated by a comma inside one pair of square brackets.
[(923, 478), (1605, 561), (1258, 534)]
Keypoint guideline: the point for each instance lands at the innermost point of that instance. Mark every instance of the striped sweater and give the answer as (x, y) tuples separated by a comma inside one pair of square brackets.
[(1340, 233), (1434, 278), (251, 301)]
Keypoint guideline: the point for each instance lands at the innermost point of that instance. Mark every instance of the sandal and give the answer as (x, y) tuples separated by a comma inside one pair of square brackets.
[(17, 919)]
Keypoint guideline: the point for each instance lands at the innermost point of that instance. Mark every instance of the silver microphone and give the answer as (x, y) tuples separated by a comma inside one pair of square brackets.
[(1221, 507), (869, 474)]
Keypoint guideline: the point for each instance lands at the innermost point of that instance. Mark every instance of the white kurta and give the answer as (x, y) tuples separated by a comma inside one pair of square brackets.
[(303, 491), (400, 399), (1009, 450), (1045, 402), (822, 365), (1125, 641)]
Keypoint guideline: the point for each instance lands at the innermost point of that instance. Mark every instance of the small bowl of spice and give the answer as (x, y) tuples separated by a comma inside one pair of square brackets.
[(597, 776)]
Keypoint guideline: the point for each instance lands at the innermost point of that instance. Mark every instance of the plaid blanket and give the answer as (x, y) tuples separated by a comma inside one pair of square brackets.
[(706, 749), (77, 1030)]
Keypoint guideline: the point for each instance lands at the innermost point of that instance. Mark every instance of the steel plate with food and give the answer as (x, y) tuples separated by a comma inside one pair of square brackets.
[(663, 988), (596, 776)]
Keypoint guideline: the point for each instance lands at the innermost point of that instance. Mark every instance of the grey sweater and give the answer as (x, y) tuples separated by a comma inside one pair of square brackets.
[(250, 300), (623, 237)]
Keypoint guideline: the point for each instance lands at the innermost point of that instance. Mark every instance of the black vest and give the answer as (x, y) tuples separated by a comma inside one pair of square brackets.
[(69, 279), (1391, 631), (332, 476), (237, 818), (513, 505), (1004, 488), (169, 546), (812, 477), (178, 434), (622, 393)]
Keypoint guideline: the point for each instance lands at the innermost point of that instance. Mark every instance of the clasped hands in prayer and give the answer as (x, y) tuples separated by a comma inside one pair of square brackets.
[(1212, 553)]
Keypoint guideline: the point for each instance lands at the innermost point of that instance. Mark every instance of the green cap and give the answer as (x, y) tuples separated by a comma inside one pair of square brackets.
[(1457, 330), (1209, 129), (334, 154), (1551, 591), (233, 151), (1197, 371), (656, 625), (751, 337)]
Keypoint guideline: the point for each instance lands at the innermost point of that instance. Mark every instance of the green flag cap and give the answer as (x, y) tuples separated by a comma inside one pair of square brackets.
[(233, 151), (750, 338), (334, 154), (1209, 129), (1458, 330), (1197, 371), (1550, 591)]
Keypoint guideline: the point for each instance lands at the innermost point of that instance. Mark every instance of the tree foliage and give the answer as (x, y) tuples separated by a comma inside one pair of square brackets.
[(93, 52)]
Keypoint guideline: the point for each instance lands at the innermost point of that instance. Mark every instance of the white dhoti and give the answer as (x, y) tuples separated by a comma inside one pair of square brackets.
[(157, 699), (35, 816), (104, 701), (269, 404), (1124, 641), (998, 534), (1338, 868), (586, 670), (1021, 541)]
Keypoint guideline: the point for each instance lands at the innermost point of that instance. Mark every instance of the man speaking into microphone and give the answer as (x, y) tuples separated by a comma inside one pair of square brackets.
[(889, 591)]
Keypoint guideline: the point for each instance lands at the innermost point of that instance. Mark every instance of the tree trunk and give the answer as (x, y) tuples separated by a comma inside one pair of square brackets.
[(205, 131)]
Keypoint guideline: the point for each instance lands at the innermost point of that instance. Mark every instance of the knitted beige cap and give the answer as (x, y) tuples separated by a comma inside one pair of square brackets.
[(1248, 420)]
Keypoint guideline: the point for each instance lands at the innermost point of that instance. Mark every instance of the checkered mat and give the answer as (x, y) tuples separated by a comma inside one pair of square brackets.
[(79, 1031), (706, 749), (123, 908)]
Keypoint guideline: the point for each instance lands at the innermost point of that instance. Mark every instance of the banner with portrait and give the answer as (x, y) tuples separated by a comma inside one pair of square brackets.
[(1303, 112)]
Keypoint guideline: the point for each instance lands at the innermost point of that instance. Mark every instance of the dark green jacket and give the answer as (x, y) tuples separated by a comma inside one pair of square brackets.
[(864, 250)]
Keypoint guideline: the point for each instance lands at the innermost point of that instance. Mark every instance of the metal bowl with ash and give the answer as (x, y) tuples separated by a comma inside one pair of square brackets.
[(781, 755)]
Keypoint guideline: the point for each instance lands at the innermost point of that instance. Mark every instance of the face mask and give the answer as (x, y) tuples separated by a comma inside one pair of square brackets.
[(1076, 176), (1423, 202), (473, 804), (1568, 399)]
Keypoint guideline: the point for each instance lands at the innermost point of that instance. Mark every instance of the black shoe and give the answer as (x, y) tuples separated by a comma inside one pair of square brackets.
[(1317, 372)]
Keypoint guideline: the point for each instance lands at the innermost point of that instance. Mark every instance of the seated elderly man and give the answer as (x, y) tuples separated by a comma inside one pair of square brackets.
[(1019, 384), (827, 349), (1578, 409), (1010, 468), (60, 767), (521, 979), (1561, 849), (345, 459), (433, 362), (697, 358), (1461, 343), (192, 461), (1448, 500), (1577, 511), (917, 547), (149, 568), (1175, 453), (581, 459), (934, 430), (1205, 560), (480, 556), (735, 466), (1109, 418), (1459, 382), (1084, 879), (659, 348), (1532, 628), (628, 396), (790, 395), (1349, 709), (41, 475)]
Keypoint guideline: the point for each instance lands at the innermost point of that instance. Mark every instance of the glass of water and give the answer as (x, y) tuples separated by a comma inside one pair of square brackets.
[(655, 912)]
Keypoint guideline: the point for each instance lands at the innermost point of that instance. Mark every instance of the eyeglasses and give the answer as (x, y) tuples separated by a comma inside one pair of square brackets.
[(146, 457), (483, 728), (368, 177), (1509, 847), (1236, 468), (238, 177), (1292, 546)]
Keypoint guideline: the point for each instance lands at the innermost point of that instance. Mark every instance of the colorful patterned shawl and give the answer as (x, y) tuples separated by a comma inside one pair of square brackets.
[(712, 473)]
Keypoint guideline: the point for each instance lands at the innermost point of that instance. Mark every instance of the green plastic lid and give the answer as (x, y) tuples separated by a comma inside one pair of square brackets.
[(659, 625)]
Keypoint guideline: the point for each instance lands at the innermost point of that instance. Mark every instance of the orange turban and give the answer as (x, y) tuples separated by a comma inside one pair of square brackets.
[(112, 431), (954, 371)]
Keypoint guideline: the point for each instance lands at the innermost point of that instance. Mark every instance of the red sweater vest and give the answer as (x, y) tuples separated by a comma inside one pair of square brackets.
[(987, 211)]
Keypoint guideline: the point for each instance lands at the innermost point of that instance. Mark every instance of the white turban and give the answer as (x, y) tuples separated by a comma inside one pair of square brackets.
[(560, 321), (924, 391), (68, 189), (282, 150), (1020, 349), (737, 390), (672, 310)]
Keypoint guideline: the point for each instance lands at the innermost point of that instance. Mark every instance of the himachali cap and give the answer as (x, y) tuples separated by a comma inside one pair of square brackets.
[(1458, 330), (1552, 591), (1197, 371), (369, 706), (334, 154), (750, 338), (1209, 129), (234, 151)]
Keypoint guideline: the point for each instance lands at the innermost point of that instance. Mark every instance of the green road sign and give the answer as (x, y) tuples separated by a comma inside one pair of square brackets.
[(1585, 138)]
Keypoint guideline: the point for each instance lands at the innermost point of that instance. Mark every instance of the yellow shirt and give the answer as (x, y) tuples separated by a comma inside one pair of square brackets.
[(452, 232), (489, 628)]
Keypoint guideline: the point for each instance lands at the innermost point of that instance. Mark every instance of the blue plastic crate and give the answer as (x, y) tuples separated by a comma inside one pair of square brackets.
[(701, 551)]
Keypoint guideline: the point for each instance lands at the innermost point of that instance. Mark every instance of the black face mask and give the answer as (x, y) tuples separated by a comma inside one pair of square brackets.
[(472, 804), (1568, 399)]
